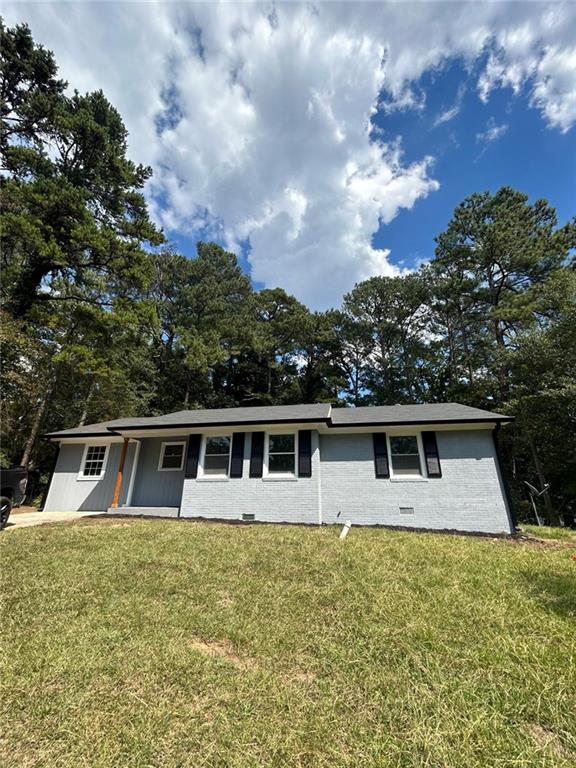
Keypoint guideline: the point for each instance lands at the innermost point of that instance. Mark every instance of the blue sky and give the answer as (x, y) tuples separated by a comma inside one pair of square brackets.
[(529, 156), (326, 143)]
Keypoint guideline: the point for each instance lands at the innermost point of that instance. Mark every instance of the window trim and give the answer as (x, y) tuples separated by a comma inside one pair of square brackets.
[(94, 478), (266, 474), (407, 478), (213, 478), (162, 452)]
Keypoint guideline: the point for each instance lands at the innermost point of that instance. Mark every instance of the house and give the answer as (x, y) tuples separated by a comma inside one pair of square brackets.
[(422, 466)]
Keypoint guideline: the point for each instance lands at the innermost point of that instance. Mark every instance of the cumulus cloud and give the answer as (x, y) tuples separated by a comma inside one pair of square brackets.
[(256, 119)]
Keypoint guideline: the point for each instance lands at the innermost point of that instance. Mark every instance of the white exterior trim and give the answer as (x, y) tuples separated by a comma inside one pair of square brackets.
[(423, 476), (213, 478), (161, 457), (270, 476), (94, 478)]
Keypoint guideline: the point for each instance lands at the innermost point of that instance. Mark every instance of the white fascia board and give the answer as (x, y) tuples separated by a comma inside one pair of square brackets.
[(222, 429), (96, 440)]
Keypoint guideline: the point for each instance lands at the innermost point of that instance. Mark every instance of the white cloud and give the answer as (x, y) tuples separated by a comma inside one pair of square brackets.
[(492, 133), (449, 114), (446, 116), (264, 111)]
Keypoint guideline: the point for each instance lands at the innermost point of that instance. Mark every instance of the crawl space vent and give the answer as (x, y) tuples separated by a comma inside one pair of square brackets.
[(248, 516), (406, 510)]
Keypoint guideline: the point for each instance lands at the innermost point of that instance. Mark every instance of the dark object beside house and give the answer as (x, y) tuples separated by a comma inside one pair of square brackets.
[(15, 485)]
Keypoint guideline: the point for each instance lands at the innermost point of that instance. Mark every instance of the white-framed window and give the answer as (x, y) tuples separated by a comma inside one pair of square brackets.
[(280, 455), (215, 458), (94, 462), (171, 457), (406, 456)]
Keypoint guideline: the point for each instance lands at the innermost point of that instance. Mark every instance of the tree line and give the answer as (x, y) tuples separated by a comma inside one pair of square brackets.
[(102, 318)]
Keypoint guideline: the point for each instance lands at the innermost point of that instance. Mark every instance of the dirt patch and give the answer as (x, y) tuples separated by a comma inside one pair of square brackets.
[(222, 649), (534, 541), (98, 521), (547, 739), (23, 510)]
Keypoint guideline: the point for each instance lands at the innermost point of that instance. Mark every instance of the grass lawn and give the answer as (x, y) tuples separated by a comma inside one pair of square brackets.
[(548, 532), (171, 645)]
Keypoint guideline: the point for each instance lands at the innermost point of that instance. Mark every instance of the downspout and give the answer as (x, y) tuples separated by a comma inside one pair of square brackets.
[(508, 496), (319, 480), (133, 473)]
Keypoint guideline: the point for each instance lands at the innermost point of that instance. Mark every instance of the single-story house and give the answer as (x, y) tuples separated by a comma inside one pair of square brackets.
[(422, 466)]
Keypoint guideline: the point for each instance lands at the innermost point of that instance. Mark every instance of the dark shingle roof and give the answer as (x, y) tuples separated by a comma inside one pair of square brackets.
[(224, 416), (315, 412), (87, 430), (433, 413), (439, 413)]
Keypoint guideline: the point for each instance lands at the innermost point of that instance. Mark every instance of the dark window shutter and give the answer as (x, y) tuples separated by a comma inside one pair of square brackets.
[(257, 455), (433, 468), (237, 461), (305, 453), (381, 455), (192, 455)]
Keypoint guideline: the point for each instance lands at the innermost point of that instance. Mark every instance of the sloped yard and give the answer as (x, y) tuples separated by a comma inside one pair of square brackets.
[(159, 643)]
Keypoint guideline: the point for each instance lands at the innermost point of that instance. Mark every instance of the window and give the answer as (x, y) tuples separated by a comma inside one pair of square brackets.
[(94, 462), (217, 456), (405, 455), (171, 457), (281, 454)]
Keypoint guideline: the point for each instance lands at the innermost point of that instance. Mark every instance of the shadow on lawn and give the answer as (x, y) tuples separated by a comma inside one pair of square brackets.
[(556, 593)]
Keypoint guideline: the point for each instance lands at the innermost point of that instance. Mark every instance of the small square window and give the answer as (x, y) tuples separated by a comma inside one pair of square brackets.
[(172, 456), (94, 461)]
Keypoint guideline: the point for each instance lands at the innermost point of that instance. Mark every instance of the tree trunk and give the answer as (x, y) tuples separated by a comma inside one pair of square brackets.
[(87, 401), (552, 516), (26, 291), (186, 402), (35, 429)]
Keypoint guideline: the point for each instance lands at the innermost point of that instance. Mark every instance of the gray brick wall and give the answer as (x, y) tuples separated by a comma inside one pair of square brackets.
[(468, 497), (277, 501)]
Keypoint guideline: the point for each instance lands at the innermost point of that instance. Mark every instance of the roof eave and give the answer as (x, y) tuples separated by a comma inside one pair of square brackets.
[(200, 425), (67, 435)]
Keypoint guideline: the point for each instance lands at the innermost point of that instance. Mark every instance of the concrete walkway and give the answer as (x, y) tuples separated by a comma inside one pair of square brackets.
[(27, 519)]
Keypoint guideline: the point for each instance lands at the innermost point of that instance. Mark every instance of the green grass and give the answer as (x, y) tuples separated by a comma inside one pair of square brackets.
[(172, 645), (549, 532)]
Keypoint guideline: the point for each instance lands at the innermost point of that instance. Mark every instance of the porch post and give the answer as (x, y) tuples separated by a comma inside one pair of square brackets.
[(118, 485)]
